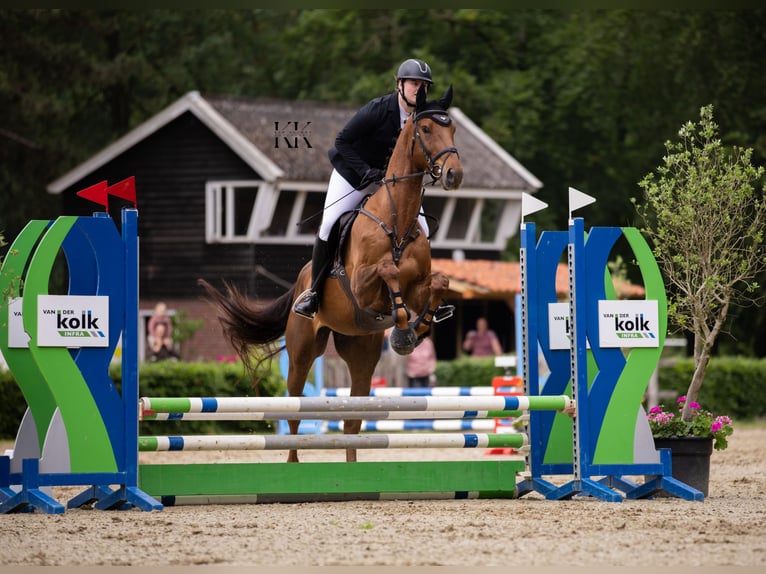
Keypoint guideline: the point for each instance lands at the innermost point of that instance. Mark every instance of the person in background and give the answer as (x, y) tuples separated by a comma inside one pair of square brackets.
[(161, 346), (482, 341), (160, 315), (159, 319), (421, 365)]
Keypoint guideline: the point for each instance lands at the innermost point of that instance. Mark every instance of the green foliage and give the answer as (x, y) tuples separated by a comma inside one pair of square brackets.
[(12, 405), (467, 372), (705, 219), (706, 222), (581, 98), (177, 379), (733, 385), (183, 327), (168, 379)]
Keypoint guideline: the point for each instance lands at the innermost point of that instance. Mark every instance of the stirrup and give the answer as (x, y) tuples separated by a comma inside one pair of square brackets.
[(443, 312), (306, 304)]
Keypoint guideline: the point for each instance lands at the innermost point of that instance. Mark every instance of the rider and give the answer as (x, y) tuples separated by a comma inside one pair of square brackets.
[(359, 157)]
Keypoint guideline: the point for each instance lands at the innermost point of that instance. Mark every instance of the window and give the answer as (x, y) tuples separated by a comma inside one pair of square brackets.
[(260, 212), (472, 218), (290, 212)]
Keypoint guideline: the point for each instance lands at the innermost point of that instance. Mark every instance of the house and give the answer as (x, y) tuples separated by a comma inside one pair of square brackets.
[(232, 189)]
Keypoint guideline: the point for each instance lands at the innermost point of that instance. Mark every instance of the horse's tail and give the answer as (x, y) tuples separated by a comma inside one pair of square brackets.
[(251, 327)]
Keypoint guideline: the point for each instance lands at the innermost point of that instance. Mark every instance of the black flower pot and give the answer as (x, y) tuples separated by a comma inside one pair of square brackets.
[(691, 459)]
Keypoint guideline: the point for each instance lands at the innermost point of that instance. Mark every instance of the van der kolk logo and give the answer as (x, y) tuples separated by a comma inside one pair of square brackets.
[(631, 327), (69, 324), (292, 135)]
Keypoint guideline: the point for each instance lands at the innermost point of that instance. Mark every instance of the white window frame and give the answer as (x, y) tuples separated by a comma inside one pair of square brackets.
[(220, 194)]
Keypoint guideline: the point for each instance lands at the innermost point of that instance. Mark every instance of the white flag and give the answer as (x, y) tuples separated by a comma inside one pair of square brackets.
[(530, 205), (578, 199)]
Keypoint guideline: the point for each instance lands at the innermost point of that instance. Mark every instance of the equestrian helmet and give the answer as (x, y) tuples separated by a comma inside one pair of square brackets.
[(413, 69)]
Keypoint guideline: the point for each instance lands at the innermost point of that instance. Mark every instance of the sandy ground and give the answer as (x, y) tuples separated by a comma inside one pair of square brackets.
[(727, 529)]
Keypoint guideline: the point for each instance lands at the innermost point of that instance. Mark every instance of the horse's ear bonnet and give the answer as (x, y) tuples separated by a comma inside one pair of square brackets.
[(435, 110)]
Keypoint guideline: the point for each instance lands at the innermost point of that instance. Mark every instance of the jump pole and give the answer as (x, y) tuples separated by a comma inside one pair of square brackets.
[(342, 404), (329, 416)]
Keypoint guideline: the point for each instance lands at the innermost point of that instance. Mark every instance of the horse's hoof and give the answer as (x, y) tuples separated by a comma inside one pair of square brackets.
[(403, 341)]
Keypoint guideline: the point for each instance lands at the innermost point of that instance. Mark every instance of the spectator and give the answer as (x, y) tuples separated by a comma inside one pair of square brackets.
[(483, 341), (159, 317), (161, 346), (421, 365)]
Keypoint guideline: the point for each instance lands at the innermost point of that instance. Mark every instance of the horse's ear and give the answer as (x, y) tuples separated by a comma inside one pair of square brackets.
[(446, 99), (420, 100)]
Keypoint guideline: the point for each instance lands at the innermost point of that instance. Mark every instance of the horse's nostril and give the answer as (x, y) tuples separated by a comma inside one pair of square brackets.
[(452, 179)]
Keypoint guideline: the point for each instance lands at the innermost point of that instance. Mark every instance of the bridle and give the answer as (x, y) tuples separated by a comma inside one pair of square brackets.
[(442, 118)]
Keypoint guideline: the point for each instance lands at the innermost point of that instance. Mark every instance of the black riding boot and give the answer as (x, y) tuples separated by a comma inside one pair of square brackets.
[(307, 303)]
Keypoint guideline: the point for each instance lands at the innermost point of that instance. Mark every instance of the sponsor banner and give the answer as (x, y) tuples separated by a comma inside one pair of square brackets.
[(72, 321), (621, 324), (559, 333), (628, 324)]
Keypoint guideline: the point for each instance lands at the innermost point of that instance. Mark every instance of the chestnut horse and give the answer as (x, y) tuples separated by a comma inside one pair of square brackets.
[(381, 272)]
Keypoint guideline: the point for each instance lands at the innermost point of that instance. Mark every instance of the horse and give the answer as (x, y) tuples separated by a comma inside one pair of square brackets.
[(382, 271)]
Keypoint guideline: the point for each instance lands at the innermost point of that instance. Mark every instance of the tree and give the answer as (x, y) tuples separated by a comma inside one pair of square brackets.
[(706, 220)]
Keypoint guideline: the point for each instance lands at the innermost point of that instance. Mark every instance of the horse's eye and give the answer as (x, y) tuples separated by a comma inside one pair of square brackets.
[(426, 130)]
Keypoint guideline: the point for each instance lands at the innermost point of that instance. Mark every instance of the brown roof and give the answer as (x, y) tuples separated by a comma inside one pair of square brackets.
[(256, 119), (484, 279)]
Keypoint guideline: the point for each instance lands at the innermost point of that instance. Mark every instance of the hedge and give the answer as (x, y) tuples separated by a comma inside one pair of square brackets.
[(734, 386), (169, 379)]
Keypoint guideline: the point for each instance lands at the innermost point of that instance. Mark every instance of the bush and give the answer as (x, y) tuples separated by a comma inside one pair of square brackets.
[(467, 372), (733, 385), (168, 379), (12, 405)]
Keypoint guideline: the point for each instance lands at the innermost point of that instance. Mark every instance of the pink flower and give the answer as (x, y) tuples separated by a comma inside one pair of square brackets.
[(724, 420), (716, 426), (681, 400), (657, 409), (693, 405)]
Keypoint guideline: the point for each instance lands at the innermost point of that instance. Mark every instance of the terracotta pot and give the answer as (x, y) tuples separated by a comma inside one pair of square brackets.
[(691, 459)]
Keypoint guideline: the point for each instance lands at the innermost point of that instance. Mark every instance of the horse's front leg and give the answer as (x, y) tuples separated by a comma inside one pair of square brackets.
[(439, 288), (403, 337)]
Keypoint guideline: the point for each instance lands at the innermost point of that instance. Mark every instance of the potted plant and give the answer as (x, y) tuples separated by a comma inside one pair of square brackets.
[(705, 220), (692, 441)]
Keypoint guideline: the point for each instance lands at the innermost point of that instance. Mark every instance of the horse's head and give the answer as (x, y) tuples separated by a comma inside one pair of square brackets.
[(434, 131)]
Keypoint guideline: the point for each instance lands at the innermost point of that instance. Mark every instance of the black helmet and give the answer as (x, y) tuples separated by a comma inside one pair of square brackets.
[(413, 69)]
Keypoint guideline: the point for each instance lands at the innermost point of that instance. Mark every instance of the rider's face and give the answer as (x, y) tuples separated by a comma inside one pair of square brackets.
[(411, 87)]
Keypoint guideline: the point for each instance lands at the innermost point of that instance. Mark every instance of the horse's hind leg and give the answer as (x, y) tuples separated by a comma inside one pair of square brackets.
[(303, 346), (361, 354)]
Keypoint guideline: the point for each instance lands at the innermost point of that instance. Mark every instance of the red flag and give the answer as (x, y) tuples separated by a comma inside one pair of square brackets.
[(95, 193), (125, 189)]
